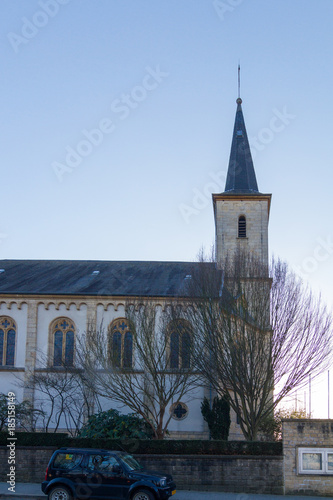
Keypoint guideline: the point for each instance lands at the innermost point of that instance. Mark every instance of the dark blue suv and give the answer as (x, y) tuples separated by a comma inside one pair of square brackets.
[(82, 473)]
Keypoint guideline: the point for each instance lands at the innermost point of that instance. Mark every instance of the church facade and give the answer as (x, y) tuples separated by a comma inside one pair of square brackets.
[(44, 305)]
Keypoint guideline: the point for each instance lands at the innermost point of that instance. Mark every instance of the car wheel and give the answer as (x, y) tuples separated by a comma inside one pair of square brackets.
[(60, 493), (143, 495)]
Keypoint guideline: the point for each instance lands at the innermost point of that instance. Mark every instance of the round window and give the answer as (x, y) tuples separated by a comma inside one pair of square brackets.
[(179, 411)]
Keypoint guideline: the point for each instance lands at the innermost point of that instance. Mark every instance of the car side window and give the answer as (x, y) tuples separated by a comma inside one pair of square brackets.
[(66, 461), (102, 463)]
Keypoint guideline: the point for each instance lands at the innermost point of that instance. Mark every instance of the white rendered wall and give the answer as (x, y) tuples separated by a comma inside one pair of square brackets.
[(45, 318)]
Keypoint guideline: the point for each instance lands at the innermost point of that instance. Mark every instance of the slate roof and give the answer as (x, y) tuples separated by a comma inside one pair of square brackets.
[(241, 177), (109, 278)]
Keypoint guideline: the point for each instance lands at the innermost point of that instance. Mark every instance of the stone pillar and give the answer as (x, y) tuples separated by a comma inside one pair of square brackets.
[(31, 348), (91, 314), (91, 326)]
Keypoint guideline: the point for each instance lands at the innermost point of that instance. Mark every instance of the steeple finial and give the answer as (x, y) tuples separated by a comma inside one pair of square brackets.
[(241, 177), (239, 100)]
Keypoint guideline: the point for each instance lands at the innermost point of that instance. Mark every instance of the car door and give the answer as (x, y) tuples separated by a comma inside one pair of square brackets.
[(105, 481), (70, 465)]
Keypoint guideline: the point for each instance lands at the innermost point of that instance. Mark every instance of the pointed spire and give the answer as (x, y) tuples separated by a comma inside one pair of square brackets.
[(241, 177)]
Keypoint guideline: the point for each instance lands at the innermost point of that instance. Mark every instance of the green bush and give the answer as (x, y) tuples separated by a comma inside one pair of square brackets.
[(111, 424), (272, 425), (217, 417)]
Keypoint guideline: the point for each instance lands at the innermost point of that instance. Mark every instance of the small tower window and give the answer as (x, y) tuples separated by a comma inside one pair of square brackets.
[(242, 227)]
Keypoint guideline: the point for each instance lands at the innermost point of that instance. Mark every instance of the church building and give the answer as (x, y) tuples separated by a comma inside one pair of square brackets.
[(44, 304)]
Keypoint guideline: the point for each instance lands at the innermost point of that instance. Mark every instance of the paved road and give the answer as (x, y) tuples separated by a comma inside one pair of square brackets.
[(31, 491)]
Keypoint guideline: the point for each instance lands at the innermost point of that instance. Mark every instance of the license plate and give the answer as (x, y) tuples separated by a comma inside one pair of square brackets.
[(173, 492)]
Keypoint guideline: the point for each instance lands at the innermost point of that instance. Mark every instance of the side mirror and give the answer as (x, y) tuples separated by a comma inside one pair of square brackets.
[(116, 469)]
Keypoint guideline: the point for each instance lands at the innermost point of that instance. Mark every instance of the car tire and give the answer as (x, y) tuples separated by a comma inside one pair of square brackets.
[(143, 495), (60, 493)]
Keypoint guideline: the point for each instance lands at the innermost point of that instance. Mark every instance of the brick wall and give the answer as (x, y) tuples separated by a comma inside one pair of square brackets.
[(215, 473), (297, 434)]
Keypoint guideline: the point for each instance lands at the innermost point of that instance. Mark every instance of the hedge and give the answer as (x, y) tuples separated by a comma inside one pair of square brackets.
[(149, 446), (36, 439)]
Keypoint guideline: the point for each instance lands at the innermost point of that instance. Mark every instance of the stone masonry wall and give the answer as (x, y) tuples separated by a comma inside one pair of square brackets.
[(310, 433), (227, 214), (216, 473), (221, 473)]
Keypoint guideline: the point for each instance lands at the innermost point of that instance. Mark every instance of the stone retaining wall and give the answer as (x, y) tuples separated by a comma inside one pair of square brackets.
[(249, 474)]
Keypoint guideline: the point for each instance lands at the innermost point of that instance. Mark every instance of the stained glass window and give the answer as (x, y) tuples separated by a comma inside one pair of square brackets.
[(7, 341), (121, 344), (2, 337), (179, 410), (180, 344), (63, 341), (10, 347), (174, 349), (116, 348), (128, 349), (186, 349), (57, 360), (69, 348)]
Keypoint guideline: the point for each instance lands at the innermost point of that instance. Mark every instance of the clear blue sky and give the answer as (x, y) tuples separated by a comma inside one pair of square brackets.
[(160, 80)]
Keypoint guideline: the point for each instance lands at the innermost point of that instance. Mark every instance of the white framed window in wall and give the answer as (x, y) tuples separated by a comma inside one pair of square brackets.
[(315, 461)]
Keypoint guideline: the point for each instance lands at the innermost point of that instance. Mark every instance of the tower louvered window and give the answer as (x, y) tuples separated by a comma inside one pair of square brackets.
[(242, 227)]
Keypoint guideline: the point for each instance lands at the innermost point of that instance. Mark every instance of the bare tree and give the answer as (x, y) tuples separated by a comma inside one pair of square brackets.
[(152, 377), (25, 414), (63, 396), (260, 335)]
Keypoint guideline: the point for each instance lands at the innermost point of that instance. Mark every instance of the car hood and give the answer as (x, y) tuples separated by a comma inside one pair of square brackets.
[(150, 474)]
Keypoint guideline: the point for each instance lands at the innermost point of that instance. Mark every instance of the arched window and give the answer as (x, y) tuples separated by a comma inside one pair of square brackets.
[(180, 344), (7, 341), (121, 344), (62, 342), (242, 227)]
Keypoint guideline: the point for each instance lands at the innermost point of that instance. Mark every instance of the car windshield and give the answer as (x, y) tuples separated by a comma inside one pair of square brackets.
[(131, 463)]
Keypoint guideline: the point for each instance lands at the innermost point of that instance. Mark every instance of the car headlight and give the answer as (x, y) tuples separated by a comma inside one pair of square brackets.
[(161, 482)]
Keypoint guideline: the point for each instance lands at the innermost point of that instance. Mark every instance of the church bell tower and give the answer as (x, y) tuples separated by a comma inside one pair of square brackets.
[(241, 211)]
